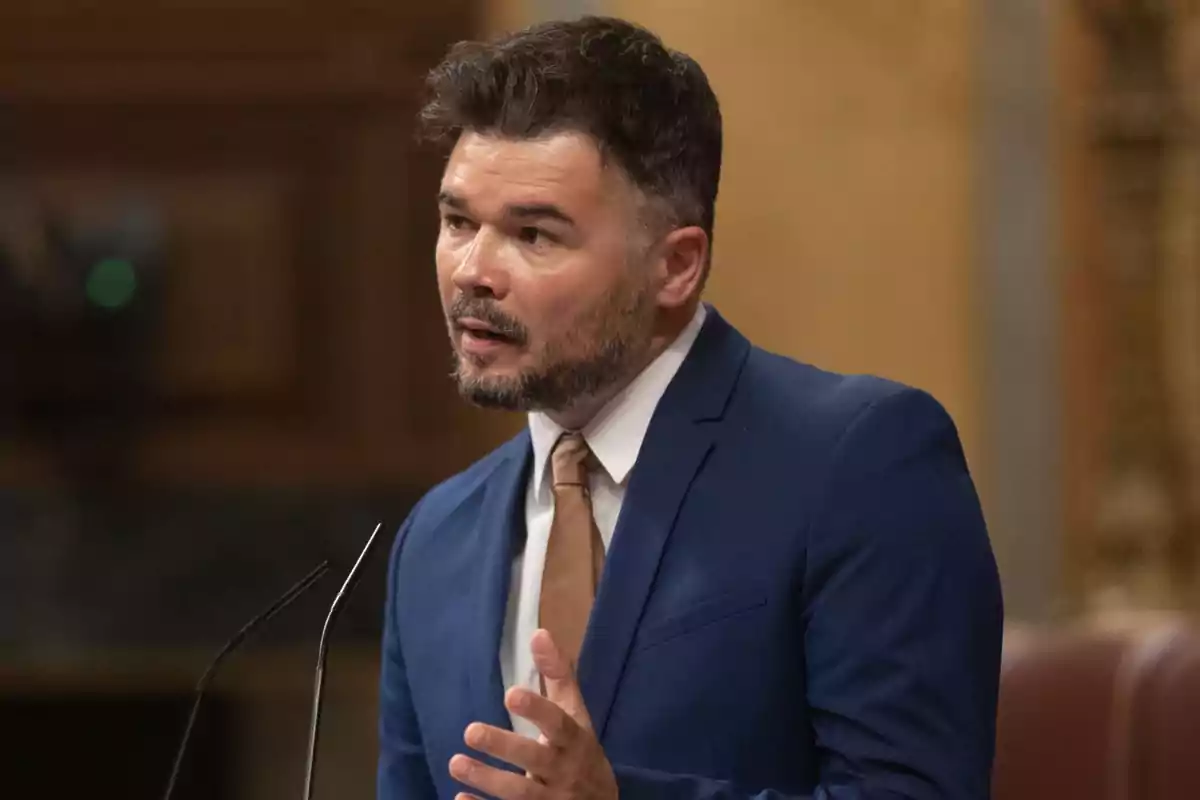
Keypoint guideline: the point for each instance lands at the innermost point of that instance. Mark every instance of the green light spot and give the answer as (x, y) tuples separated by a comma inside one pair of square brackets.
[(111, 284)]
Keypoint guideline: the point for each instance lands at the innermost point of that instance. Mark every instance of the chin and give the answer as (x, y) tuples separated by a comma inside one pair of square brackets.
[(500, 396), (488, 388), (471, 369)]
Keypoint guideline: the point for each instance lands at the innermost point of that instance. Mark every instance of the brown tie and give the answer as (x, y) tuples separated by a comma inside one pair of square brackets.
[(575, 552)]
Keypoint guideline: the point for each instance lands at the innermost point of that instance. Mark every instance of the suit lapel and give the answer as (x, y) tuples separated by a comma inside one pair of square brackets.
[(656, 490), (499, 532), (679, 438)]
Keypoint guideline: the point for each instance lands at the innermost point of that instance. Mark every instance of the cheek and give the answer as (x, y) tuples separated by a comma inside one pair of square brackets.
[(446, 260), (562, 318)]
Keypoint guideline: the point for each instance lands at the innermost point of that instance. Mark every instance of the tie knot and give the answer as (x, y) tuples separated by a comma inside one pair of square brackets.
[(568, 461)]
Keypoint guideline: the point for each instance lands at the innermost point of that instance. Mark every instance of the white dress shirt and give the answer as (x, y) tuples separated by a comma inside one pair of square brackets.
[(615, 436)]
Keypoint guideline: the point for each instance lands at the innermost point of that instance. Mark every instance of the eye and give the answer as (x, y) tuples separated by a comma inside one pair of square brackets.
[(455, 222), (534, 236)]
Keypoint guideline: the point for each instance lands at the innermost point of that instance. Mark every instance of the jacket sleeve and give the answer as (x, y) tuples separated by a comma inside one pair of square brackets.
[(903, 621), (403, 770)]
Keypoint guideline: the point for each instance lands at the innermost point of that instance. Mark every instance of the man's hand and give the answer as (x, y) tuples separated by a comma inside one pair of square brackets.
[(566, 761)]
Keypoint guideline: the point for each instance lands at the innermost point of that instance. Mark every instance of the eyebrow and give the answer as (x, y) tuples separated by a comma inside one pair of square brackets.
[(451, 200), (539, 211), (525, 211)]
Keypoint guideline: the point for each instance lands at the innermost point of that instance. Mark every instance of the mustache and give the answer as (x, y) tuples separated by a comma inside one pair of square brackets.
[(488, 313)]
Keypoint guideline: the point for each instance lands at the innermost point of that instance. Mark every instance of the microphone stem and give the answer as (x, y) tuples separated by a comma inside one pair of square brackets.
[(314, 729), (299, 588), (339, 601), (187, 734)]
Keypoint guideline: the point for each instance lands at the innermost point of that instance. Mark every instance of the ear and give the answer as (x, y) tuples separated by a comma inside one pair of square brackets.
[(683, 256)]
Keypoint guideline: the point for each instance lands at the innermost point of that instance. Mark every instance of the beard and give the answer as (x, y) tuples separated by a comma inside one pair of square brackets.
[(599, 350)]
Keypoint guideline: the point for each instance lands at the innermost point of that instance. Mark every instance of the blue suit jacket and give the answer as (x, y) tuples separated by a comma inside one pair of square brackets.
[(800, 599)]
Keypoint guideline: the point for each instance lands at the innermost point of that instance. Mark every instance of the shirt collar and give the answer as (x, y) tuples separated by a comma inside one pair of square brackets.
[(615, 434)]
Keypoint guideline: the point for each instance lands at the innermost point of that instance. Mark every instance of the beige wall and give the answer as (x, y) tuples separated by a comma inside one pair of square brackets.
[(844, 220), (844, 226)]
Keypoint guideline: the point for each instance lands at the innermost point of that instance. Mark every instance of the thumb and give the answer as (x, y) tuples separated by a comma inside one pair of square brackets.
[(559, 677)]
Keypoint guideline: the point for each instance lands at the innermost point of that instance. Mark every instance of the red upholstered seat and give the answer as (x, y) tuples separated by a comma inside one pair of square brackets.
[(1100, 715)]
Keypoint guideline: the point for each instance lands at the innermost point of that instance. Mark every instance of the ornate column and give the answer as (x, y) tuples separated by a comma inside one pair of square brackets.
[(1140, 554), (1181, 289)]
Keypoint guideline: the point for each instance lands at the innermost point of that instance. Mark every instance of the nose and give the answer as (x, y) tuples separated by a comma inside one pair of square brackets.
[(481, 271)]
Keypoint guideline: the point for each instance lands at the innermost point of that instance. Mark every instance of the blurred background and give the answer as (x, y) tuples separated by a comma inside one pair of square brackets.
[(222, 359)]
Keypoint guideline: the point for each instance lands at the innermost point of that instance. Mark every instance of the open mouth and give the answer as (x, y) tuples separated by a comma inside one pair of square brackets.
[(479, 337), (481, 331), (488, 335)]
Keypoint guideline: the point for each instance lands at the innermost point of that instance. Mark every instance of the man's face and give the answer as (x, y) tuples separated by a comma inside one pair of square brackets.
[(546, 297)]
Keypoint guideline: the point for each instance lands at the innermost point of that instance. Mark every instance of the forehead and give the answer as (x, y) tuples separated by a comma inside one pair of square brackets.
[(565, 169)]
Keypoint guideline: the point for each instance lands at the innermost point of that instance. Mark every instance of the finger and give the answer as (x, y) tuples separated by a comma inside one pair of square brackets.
[(513, 748), (498, 783), (559, 678), (555, 723), (548, 658), (466, 796)]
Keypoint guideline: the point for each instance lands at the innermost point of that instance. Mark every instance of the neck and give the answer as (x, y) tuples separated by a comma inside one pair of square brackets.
[(667, 327)]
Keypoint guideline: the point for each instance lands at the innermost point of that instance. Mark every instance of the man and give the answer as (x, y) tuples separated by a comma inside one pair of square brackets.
[(703, 571)]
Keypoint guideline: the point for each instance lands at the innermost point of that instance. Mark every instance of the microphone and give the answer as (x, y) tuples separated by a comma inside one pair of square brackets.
[(335, 610), (301, 586)]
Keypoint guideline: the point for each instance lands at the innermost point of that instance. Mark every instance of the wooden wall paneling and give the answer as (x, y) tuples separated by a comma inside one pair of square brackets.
[(1131, 541), (1083, 301), (301, 342)]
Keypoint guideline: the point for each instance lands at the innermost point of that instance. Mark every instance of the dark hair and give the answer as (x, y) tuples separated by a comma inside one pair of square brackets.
[(650, 109)]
